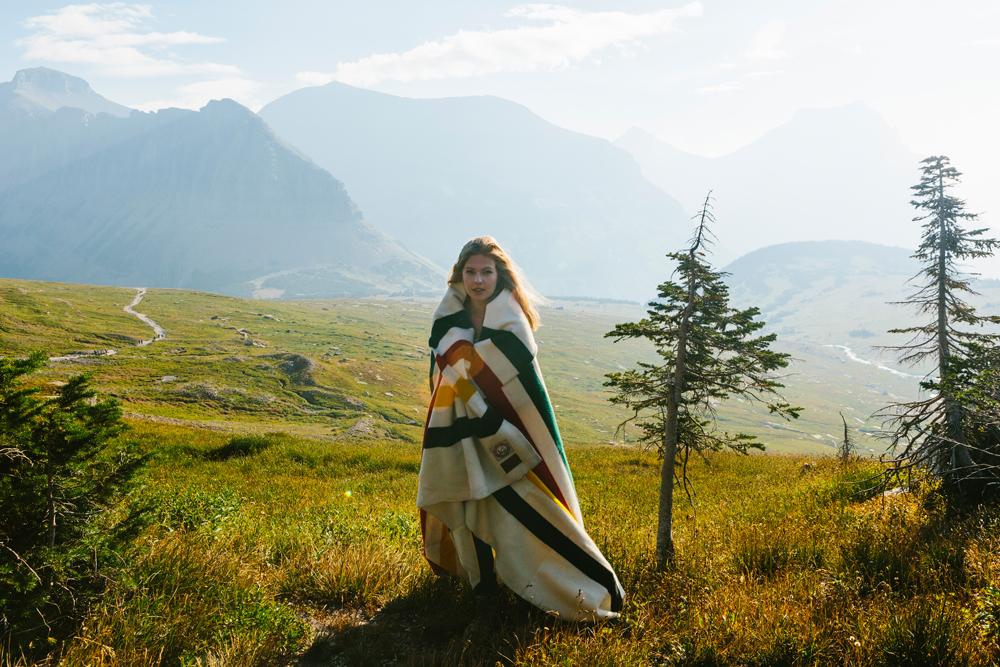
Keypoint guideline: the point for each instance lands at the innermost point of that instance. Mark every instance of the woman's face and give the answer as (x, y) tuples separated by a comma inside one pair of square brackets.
[(480, 277)]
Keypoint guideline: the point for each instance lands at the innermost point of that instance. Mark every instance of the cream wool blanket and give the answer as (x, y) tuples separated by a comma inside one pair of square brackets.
[(493, 466)]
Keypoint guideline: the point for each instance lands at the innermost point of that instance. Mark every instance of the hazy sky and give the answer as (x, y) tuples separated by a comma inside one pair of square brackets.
[(706, 76)]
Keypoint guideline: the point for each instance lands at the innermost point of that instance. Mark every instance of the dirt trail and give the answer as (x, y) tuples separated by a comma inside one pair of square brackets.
[(89, 354), (157, 329)]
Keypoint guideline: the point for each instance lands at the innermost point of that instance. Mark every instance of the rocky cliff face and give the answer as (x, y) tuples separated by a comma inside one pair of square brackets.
[(574, 211), (210, 200)]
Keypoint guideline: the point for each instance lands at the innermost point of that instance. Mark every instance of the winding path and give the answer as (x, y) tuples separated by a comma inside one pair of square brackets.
[(158, 333)]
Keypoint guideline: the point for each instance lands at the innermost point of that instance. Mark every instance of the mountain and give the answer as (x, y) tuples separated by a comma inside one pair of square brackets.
[(839, 173), (830, 304), (208, 199), (574, 211), (837, 292), (822, 291), (37, 92)]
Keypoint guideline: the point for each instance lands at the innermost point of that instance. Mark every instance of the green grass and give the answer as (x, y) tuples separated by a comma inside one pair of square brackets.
[(278, 549), (325, 365), (282, 529)]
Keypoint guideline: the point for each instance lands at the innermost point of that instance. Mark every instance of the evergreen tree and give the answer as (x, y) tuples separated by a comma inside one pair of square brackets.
[(847, 448), (709, 353), (933, 432), (61, 468)]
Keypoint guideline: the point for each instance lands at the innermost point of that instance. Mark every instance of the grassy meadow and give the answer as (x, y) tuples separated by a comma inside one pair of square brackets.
[(278, 524), (273, 549), (317, 368)]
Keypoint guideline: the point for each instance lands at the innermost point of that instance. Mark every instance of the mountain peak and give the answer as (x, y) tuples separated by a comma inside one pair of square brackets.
[(51, 89), (43, 79)]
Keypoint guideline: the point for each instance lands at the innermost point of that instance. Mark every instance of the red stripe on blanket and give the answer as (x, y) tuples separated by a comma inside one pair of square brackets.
[(490, 385), (430, 407)]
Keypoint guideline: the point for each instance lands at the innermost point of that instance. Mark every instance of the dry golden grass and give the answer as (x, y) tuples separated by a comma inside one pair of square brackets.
[(262, 557)]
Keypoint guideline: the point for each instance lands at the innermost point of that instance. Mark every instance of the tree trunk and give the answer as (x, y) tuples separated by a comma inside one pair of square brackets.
[(50, 501), (960, 458), (665, 516)]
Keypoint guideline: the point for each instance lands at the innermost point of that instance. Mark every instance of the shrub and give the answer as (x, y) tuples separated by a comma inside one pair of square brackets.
[(61, 471), (240, 446)]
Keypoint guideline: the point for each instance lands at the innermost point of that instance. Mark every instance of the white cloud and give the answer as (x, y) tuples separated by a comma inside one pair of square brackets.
[(196, 95), (113, 37), (313, 78), (571, 37), (764, 45)]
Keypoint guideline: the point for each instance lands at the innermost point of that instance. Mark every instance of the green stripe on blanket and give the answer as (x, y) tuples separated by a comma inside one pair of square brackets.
[(536, 390), (442, 325), (463, 427), (517, 354), (521, 358), (529, 517)]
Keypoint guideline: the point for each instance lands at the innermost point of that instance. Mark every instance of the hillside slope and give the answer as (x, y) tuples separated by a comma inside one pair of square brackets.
[(574, 210), (209, 200), (831, 305)]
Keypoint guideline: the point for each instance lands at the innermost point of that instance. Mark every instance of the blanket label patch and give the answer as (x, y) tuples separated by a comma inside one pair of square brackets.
[(504, 453), (501, 450)]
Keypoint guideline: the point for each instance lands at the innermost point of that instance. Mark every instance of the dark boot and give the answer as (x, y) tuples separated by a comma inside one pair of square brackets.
[(485, 617)]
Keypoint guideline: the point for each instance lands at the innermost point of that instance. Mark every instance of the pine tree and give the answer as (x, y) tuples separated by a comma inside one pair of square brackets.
[(933, 432), (61, 469), (709, 354)]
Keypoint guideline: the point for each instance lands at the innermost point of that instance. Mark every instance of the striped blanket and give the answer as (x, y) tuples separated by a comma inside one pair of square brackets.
[(493, 468)]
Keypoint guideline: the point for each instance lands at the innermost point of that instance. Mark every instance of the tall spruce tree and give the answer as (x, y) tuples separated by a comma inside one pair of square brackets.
[(934, 432), (709, 354)]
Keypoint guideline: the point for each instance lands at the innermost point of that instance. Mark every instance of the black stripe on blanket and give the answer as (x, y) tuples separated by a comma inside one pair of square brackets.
[(539, 526), (442, 325), (510, 345), (463, 427)]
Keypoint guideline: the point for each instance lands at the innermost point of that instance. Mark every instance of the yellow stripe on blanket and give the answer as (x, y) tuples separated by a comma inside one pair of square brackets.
[(445, 397), (533, 478), (464, 389)]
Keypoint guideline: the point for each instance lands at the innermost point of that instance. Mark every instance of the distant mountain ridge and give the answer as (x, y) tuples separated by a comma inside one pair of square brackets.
[(210, 200), (574, 211), (837, 292), (839, 173), (37, 92)]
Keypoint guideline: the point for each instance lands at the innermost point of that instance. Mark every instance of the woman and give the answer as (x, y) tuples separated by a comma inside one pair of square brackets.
[(495, 491)]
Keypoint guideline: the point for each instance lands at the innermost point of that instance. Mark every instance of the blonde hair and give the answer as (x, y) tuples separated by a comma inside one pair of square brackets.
[(509, 276)]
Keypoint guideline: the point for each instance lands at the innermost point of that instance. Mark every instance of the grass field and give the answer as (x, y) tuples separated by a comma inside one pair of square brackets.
[(280, 526), (318, 368), (273, 549)]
